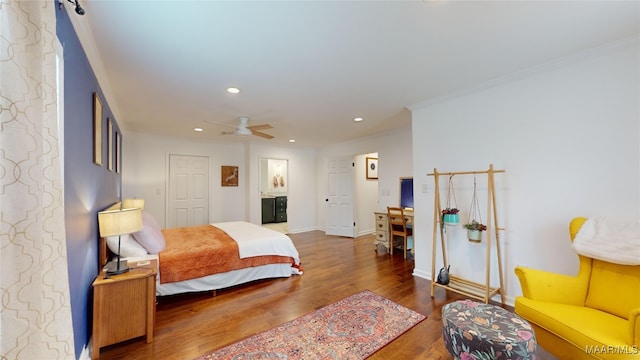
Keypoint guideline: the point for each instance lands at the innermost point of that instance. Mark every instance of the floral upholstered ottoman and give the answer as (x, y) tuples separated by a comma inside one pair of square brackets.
[(474, 330)]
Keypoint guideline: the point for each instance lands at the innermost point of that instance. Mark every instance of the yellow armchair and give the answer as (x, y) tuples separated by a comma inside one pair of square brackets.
[(593, 315)]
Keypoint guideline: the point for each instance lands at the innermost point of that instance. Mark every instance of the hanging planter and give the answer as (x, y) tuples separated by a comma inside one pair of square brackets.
[(474, 235), (450, 214), (474, 231), (475, 227)]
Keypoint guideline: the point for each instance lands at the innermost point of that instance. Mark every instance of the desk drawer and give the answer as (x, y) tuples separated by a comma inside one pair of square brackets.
[(381, 237), (381, 217)]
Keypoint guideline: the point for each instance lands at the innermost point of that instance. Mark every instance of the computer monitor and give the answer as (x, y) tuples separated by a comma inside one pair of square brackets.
[(406, 192)]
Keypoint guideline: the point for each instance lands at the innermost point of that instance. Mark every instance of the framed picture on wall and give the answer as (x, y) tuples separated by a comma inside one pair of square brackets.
[(229, 175), (110, 155), (372, 168), (118, 152), (97, 130)]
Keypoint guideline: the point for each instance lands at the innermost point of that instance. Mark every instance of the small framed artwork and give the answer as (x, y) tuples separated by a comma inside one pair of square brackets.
[(229, 175), (97, 130), (118, 152), (372, 168), (110, 150)]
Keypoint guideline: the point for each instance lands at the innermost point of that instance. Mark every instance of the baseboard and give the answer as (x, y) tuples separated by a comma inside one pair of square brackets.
[(297, 231), (366, 232)]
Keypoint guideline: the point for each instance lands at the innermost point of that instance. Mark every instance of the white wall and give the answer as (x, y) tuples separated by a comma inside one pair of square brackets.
[(394, 161), (366, 196), (567, 136), (145, 173), (145, 168), (302, 184)]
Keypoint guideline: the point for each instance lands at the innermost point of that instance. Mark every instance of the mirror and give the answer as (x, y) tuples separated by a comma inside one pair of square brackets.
[(274, 184)]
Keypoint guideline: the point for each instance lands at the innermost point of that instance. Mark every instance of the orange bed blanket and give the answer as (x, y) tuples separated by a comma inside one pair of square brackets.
[(198, 251)]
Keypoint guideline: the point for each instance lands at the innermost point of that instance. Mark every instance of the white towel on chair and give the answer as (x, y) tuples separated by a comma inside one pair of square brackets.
[(609, 240)]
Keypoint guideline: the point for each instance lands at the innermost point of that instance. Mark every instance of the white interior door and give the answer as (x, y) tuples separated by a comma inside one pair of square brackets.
[(188, 193), (339, 210)]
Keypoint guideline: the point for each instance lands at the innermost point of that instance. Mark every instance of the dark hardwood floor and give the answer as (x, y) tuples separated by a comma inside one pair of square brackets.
[(334, 267)]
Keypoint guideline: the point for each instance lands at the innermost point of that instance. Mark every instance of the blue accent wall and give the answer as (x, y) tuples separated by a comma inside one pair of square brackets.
[(88, 187)]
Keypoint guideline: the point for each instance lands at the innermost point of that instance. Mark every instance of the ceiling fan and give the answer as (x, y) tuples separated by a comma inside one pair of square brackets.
[(244, 129)]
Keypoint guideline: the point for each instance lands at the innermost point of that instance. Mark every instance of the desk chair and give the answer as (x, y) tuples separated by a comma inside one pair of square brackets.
[(398, 227)]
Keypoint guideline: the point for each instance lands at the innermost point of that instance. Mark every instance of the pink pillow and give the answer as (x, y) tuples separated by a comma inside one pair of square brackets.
[(150, 237)]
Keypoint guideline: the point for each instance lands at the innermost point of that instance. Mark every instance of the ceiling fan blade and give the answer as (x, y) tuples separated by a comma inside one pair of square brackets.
[(261, 134), (260, 127)]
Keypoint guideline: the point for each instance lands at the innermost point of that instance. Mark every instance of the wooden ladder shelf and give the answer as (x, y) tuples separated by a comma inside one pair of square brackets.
[(479, 291)]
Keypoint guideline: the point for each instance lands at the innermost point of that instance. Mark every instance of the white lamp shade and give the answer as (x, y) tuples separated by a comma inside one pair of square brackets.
[(133, 203), (118, 222)]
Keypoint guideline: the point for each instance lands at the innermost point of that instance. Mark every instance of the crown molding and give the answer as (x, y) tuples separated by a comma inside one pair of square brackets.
[(623, 43), (85, 36)]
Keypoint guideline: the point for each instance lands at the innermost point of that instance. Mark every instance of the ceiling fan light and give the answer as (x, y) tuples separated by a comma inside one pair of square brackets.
[(243, 131)]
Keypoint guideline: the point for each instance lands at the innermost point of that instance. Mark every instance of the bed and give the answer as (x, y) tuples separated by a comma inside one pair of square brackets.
[(207, 257)]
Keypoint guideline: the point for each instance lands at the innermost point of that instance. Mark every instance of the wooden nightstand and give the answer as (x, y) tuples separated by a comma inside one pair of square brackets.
[(124, 305)]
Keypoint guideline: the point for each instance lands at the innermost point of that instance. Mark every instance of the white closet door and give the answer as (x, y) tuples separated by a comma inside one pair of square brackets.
[(339, 199), (188, 196)]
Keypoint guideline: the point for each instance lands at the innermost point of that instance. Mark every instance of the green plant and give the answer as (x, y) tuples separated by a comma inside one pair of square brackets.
[(450, 211), (474, 225)]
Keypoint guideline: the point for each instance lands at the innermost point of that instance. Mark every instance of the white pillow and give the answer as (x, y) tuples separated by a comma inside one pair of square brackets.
[(128, 246), (150, 237)]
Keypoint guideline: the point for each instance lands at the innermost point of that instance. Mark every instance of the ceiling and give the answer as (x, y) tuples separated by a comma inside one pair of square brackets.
[(309, 67)]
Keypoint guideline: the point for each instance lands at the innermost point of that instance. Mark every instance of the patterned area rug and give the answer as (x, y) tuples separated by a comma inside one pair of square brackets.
[(352, 328)]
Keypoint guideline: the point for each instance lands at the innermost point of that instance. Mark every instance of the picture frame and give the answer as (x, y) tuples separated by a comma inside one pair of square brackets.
[(372, 168), (97, 129), (229, 176), (110, 147), (118, 152)]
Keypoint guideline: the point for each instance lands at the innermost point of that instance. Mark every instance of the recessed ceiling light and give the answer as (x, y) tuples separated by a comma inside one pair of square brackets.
[(233, 90), (292, 140), (198, 129), (358, 119)]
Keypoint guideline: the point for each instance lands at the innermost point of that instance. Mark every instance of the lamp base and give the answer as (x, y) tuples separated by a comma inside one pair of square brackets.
[(113, 268)]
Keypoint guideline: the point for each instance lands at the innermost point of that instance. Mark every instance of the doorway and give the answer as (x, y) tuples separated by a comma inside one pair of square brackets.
[(188, 195), (274, 185)]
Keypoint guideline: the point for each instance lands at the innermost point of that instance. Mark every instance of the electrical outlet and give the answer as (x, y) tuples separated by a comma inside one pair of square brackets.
[(425, 188)]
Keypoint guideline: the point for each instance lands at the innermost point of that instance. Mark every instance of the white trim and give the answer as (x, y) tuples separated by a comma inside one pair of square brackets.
[(85, 36), (518, 75), (86, 351)]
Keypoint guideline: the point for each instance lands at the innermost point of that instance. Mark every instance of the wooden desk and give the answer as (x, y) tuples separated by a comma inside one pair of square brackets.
[(382, 229), (124, 305)]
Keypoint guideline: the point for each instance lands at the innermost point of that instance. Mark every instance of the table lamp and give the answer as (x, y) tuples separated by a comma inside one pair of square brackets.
[(131, 203), (119, 222)]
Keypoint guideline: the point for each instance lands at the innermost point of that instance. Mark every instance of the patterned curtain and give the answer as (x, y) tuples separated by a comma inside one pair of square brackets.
[(35, 310)]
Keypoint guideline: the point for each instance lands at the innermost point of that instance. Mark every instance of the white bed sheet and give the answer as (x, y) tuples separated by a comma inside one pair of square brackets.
[(253, 240), (256, 240), (216, 281)]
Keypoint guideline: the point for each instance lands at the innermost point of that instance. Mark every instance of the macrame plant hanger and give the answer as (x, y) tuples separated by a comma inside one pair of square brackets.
[(451, 193), (450, 214), (474, 213)]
